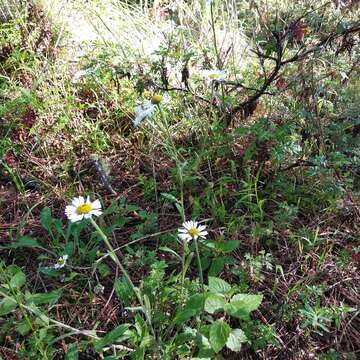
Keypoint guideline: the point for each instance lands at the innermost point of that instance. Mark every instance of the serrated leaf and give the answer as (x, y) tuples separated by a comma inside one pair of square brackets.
[(236, 338), (219, 334), (118, 334), (7, 305), (242, 304), (18, 280), (214, 302), (217, 285)]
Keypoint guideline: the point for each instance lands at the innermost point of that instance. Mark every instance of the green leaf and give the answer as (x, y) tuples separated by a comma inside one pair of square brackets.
[(46, 218), (118, 334), (44, 298), (217, 285), (228, 246), (217, 265), (219, 334), (193, 307), (242, 304), (18, 280), (214, 302), (72, 353), (104, 270), (236, 338), (23, 327), (124, 291), (170, 197), (7, 305), (184, 315), (23, 241)]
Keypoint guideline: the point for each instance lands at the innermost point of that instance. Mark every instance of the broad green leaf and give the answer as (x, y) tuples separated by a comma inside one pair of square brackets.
[(118, 334), (217, 265), (44, 298), (184, 315), (236, 338), (219, 334), (242, 304), (72, 353), (18, 280), (193, 307), (23, 327), (217, 285), (214, 302), (196, 302), (228, 246), (7, 305)]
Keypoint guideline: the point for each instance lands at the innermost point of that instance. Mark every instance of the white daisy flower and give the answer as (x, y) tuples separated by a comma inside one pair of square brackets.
[(214, 75), (147, 108), (82, 209), (61, 262), (192, 230)]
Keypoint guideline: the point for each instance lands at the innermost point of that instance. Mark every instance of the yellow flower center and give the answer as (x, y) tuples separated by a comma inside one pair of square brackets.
[(193, 232), (83, 209), (156, 99)]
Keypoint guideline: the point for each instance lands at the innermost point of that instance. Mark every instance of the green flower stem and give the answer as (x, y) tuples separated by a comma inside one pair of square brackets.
[(200, 267), (125, 273)]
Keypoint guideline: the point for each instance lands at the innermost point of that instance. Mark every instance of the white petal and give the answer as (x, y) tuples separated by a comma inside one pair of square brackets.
[(201, 227), (195, 237), (87, 216), (78, 201), (88, 200), (185, 237), (96, 205), (65, 257), (182, 230), (70, 209), (95, 212), (203, 234), (75, 218)]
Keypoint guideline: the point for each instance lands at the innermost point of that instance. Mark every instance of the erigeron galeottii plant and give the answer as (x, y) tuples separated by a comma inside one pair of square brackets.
[(212, 298)]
